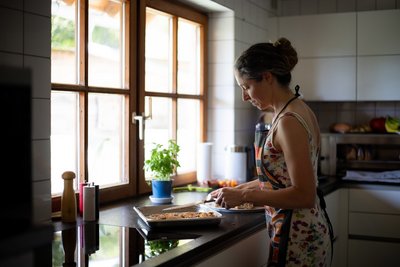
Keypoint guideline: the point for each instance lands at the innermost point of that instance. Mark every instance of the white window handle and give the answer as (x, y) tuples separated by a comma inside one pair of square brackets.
[(142, 118)]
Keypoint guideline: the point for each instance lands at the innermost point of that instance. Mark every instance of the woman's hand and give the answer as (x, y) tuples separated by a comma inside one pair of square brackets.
[(229, 197), (213, 194)]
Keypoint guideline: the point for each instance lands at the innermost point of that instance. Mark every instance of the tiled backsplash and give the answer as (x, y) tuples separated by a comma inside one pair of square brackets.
[(353, 113)]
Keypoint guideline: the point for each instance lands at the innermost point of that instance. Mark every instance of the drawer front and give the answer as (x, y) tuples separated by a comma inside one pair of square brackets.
[(376, 225), (374, 201), (371, 254)]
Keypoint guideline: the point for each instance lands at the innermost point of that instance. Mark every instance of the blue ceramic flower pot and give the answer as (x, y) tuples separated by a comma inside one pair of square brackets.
[(161, 189)]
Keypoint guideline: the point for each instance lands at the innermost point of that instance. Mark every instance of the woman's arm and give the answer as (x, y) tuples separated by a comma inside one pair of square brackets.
[(292, 138)]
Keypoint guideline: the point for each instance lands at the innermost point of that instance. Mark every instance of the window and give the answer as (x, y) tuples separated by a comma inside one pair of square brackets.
[(174, 82), (110, 60)]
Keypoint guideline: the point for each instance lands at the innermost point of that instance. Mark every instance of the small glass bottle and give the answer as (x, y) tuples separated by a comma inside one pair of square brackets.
[(68, 200)]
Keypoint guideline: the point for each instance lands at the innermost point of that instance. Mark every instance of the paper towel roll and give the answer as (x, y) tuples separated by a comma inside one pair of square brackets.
[(236, 166), (89, 207), (204, 162)]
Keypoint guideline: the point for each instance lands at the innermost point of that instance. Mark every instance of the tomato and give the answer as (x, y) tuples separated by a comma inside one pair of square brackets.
[(378, 125)]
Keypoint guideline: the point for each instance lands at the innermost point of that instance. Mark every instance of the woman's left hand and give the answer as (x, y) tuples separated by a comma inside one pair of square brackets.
[(229, 197)]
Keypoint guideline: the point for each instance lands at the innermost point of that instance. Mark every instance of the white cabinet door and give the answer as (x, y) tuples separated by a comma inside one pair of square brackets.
[(376, 199), (321, 35), (378, 32), (336, 206), (252, 251), (372, 254), (378, 78), (326, 79)]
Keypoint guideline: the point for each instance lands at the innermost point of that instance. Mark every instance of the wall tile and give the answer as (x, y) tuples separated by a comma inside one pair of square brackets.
[(326, 119), (245, 138), (245, 119), (41, 201), (41, 7), (41, 72), (221, 51), (290, 7), (346, 5), (272, 24), (346, 116), (346, 106), (221, 119), (220, 75), (11, 23), (364, 5), (220, 140), (41, 160), (17, 4), (328, 106), (221, 97), (41, 119), (37, 33), (366, 106), (364, 116), (326, 6), (308, 7), (8, 59), (222, 28), (385, 4)]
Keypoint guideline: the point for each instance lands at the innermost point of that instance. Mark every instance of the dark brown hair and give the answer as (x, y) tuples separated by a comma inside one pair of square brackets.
[(279, 58)]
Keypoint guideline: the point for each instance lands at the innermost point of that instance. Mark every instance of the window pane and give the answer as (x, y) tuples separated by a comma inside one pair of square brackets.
[(63, 42), (105, 44), (64, 138), (158, 129), (158, 42), (188, 133), (106, 148), (188, 57)]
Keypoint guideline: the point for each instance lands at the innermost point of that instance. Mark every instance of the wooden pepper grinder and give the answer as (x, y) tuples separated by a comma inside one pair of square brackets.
[(68, 200)]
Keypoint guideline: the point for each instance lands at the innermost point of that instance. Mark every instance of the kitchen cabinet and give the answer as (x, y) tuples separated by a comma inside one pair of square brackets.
[(326, 45), (346, 56), (374, 219), (378, 78), (324, 35), (378, 32), (326, 79), (336, 206), (378, 51), (252, 251)]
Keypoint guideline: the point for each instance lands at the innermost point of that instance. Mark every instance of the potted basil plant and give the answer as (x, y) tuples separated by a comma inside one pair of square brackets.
[(162, 164)]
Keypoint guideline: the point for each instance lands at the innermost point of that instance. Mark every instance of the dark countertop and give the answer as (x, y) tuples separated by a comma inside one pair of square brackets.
[(207, 239)]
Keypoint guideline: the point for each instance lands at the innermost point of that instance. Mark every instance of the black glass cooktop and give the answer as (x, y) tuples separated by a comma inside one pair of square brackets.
[(95, 244)]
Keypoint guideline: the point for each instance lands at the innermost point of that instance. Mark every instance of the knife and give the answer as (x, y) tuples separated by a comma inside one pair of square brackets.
[(189, 204)]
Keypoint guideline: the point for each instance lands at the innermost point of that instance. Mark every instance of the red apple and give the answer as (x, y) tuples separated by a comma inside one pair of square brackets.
[(378, 125)]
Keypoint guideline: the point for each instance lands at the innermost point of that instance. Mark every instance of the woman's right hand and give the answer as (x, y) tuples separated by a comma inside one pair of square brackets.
[(213, 194)]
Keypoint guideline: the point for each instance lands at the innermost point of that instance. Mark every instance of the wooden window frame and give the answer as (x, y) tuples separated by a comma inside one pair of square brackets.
[(107, 194)]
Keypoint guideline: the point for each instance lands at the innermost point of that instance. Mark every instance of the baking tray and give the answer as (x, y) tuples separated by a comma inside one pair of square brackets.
[(147, 210)]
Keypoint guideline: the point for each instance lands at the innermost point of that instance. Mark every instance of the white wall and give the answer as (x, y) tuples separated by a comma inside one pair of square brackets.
[(231, 31)]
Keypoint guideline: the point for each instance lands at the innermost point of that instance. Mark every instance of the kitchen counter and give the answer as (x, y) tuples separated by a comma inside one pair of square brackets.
[(206, 240)]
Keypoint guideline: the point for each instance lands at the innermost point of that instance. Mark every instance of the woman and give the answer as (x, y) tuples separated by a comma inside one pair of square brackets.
[(286, 159)]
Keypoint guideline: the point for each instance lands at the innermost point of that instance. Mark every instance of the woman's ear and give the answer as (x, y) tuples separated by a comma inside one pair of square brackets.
[(268, 76)]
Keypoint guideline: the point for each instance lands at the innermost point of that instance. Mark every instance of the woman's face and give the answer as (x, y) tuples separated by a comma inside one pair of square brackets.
[(254, 91)]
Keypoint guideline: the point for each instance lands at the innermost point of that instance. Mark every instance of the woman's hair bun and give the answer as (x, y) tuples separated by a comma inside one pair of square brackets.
[(287, 51)]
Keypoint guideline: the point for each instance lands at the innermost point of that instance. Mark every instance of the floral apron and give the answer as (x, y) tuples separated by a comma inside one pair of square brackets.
[(298, 236)]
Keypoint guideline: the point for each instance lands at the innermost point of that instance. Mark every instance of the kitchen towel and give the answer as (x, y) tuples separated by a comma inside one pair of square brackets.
[(204, 162), (89, 206)]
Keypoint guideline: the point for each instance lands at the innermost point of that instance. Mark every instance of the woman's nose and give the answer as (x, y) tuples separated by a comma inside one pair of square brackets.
[(245, 96)]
